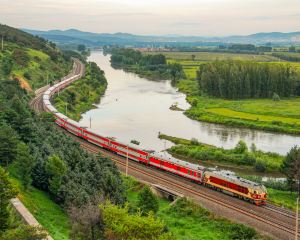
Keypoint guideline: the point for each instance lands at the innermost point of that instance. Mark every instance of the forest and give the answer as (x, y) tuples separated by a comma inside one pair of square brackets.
[(242, 79), (152, 66)]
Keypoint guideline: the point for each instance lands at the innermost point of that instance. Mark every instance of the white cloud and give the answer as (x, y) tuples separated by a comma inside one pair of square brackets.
[(193, 17)]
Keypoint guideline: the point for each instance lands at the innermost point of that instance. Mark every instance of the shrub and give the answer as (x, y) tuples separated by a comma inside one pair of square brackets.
[(241, 147), (260, 166)]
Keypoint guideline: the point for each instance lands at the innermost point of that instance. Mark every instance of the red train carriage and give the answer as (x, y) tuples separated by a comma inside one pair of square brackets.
[(188, 170), (221, 180)]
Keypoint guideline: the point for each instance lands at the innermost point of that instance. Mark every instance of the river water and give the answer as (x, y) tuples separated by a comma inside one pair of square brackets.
[(134, 108)]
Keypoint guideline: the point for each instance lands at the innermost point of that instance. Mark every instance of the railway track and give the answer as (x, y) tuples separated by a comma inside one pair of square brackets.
[(177, 186), (181, 184)]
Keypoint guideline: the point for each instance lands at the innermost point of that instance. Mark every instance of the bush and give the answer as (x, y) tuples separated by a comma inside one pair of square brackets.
[(239, 231), (241, 147), (276, 97), (147, 202), (260, 166), (27, 75)]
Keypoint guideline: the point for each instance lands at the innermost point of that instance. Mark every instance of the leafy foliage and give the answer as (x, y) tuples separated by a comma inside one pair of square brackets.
[(120, 225), (147, 201), (7, 191), (81, 95), (240, 155), (25, 232), (146, 65), (238, 79)]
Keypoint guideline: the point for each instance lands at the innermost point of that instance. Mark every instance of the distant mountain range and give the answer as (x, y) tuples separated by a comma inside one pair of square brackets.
[(74, 36)]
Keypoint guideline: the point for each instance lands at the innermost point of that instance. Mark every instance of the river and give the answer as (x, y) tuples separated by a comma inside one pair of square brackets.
[(135, 108)]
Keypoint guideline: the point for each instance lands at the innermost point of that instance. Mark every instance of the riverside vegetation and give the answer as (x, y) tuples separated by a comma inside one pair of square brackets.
[(82, 94)]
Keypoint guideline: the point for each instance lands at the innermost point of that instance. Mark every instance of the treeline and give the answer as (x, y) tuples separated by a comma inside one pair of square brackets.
[(292, 57), (46, 158), (241, 79), (82, 94), (146, 65)]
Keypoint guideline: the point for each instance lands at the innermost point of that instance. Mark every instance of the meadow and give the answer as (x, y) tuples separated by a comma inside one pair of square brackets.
[(189, 221), (264, 114)]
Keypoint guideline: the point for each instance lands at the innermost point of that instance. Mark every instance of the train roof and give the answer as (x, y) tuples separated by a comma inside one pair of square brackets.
[(178, 162), (52, 109), (234, 178)]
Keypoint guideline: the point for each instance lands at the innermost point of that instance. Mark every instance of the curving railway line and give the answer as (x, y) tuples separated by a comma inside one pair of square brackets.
[(269, 219)]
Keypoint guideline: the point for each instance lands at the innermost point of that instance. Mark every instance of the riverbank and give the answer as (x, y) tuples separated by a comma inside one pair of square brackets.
[(239, 157), (81, 96)]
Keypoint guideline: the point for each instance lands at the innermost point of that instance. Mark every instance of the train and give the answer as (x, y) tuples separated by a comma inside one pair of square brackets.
[(220, 180)]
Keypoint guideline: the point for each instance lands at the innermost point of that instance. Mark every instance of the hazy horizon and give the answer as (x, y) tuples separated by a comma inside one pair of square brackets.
[(190, 17)]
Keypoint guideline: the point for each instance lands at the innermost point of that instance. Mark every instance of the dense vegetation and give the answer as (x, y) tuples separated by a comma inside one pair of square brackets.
[(32, 61), (287, 56), (237, 79), (81, 95), (240, 156), (152, 66), (186, 220)]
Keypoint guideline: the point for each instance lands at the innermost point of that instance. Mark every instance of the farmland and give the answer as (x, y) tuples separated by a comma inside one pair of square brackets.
[(264, 114)]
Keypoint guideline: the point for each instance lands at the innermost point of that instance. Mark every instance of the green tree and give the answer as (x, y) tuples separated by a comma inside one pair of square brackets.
[(8, 145), (193, 56), (25, 232), (81, 47), (56, 169), (120, 225), (7, 65), (25, 163), (241, 147), (147, 201), (291, 166), (175, 71), (7, 191)]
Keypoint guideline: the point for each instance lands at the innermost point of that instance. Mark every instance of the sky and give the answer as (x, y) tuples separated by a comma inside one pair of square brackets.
[(155, 17)]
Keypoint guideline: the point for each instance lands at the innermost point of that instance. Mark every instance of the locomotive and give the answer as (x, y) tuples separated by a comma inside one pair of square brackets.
[(224, 181)]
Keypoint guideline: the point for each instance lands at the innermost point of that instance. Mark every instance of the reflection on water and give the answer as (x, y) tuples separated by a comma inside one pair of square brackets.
[(137, 108)]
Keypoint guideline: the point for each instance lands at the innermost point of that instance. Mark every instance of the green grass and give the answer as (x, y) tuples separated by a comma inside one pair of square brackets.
[(49, 214), (186, 220), (282, 198), (211, 56), (195, 152), (250, 116), (39, 68), (264, 114)]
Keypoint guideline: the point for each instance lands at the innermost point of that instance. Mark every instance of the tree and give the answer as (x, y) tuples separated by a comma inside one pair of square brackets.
[(25, 164), (193, 56), (7, 191), (291, 166), (56, 169), (8, 145), (25, 232), (175, 70), (147, 201), (292, 49), (120, 225), (87, 222), (241, 147), (81, 47)]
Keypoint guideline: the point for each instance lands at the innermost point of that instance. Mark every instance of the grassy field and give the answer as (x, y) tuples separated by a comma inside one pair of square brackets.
[(188, 221), (49, 214), (211, 56), (36, 69), (195, 152)]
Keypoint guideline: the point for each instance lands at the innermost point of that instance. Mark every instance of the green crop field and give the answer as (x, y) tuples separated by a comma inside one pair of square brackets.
[(211, 56)]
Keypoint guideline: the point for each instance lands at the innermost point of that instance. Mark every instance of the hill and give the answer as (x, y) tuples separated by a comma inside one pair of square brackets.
[(31, 60), (74, 36)]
